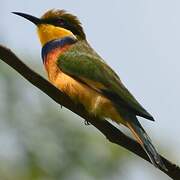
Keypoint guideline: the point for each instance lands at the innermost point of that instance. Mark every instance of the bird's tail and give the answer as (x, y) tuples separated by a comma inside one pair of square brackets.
[(144, 140)]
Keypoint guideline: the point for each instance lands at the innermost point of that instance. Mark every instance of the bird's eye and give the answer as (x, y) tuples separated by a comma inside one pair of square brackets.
[(60, 22)]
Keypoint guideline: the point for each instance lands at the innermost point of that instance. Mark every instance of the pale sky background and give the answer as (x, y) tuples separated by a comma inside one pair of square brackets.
[(139, 39)]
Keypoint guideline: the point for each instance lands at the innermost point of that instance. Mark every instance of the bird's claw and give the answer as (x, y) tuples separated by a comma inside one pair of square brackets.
[(87, 123)]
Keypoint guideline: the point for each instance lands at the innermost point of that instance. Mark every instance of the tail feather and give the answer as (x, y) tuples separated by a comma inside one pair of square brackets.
[(144, 140)]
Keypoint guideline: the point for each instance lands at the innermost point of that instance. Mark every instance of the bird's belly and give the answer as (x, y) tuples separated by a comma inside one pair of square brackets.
[(93, 101)]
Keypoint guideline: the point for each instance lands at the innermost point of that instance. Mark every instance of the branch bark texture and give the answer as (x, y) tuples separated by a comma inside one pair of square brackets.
[(113, 134)]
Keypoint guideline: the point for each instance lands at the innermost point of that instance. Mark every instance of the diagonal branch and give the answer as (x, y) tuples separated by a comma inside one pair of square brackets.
[(110, 132)]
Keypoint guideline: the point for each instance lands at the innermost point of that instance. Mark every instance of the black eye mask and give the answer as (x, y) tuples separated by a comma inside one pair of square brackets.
[(60, 22)]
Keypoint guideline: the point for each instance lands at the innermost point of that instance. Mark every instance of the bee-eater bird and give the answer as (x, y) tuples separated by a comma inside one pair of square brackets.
[(77, 70)]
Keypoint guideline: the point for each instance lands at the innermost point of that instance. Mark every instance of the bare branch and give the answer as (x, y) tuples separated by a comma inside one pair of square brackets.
[(110, 132)]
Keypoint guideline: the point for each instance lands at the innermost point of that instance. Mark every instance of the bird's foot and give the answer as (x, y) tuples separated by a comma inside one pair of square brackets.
[(87, 123)]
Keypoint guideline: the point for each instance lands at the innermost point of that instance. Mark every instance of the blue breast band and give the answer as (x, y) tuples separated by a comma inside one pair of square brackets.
[(54, 44)]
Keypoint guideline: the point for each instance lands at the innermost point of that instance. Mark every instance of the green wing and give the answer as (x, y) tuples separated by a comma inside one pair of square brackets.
[(81, 62)]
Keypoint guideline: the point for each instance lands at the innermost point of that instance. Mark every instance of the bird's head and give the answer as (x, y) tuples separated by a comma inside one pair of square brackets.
[(56, 24)]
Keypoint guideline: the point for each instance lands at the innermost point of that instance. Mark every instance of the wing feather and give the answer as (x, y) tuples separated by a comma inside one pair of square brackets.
[(83, 63)]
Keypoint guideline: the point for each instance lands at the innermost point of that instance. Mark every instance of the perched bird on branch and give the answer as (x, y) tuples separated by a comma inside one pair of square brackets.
[(77, 70)]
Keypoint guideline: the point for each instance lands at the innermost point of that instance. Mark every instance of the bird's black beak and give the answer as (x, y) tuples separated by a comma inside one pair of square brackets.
[(33, 19)]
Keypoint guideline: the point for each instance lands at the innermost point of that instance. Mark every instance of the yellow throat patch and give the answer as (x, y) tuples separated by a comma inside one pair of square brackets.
[(47, 32)]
